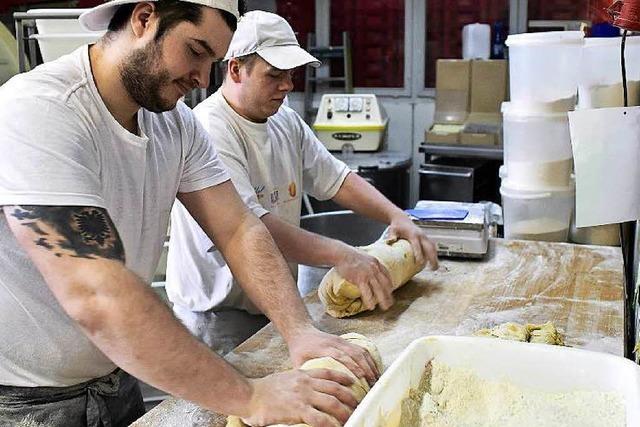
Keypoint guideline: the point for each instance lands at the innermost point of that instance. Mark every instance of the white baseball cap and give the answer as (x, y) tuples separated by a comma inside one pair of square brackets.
[(271, 37), (98, 18)]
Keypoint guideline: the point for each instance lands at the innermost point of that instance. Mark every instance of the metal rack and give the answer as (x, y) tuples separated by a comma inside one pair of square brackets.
[(26, 27), (492, 153), (311, 77)]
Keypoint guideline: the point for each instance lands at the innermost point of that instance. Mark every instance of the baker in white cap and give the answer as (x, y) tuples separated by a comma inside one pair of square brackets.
[(273, 156), (96, 146)]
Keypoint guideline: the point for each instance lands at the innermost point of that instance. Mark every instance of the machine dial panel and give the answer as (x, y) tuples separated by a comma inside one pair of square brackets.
[(355, 104), (341, 104)]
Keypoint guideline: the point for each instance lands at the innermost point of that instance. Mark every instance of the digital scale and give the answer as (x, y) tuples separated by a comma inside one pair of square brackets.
[(351, 122), (457, 229)]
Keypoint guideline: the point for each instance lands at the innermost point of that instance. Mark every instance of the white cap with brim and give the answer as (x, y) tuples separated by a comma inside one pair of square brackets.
[(271, 37), (98, 18)]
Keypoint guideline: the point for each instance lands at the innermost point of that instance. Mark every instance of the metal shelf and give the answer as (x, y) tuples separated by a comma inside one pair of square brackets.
[(494, 153)]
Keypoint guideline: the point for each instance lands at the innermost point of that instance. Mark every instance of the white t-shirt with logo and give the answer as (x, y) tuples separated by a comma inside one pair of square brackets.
[(270, 164), (61, 147)]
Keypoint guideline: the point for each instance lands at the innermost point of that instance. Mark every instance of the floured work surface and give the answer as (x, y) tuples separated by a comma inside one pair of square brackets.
[(578, 288), (458, 397)]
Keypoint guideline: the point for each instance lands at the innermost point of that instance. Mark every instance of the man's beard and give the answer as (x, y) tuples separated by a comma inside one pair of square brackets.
[(143, 82)]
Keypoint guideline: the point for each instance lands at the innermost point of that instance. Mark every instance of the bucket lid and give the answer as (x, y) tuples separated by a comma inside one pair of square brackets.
[(551, 110), (546, 38)]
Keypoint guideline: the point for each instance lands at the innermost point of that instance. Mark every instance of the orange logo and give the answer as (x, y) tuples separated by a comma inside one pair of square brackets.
[(292, 189)]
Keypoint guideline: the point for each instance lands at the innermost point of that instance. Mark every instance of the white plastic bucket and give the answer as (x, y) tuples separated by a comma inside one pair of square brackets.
[(58, 37), (476, 41), (58, 26), (543, 67), (602, 235), (543, 215), (537, 148), (600, 78), (53, 46)]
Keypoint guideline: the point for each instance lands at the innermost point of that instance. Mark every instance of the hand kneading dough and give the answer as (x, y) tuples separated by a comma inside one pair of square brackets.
[(342, 298), (545, 334), (360, 387)]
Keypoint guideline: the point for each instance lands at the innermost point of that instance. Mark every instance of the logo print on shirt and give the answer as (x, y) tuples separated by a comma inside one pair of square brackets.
[(275, 196), (292, 189), (259, 191)]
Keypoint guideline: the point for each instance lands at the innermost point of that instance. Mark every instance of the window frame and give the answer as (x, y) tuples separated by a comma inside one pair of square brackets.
[(415, 21)]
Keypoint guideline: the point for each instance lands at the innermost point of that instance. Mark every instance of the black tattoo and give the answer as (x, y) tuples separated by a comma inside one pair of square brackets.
[(82, 232), (43, 242)]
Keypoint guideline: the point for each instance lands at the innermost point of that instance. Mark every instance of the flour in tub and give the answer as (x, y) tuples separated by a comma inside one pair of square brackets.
[(457, 397)]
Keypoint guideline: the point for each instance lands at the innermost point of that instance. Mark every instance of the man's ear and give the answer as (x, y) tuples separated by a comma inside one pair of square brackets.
[(233, 70), (142, 18)]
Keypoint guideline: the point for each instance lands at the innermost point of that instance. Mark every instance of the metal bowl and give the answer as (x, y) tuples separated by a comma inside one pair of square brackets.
[(345, 226)]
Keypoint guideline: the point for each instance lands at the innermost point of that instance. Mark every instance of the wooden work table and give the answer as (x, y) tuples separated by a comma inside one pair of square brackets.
[(579, 288)]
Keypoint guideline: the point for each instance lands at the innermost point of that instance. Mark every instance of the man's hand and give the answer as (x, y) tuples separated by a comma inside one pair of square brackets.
[(310, 343), (318, 397), (368, 274), (401, 227)]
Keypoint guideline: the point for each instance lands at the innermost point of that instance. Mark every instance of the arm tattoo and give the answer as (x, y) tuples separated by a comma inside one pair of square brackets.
[(77, 231)]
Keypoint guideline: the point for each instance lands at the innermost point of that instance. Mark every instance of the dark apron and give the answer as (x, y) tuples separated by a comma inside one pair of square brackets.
[(111, 401)]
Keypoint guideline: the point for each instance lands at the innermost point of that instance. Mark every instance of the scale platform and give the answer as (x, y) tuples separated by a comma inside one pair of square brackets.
[(457, 229)]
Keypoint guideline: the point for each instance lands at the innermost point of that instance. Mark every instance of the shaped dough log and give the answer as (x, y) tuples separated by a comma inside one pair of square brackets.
[(342, 298), (545, 333), (360, 387)]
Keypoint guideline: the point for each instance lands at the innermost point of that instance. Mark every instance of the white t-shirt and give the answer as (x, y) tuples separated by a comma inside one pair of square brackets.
[(270, 164), (60, 147)]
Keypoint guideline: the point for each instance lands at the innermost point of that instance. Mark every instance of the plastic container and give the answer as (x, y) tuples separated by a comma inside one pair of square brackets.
[(58, 26), (537, 148), (476, 41), (538, 366), (600, 79), (602, 235), (541, 215), (53, 46), (543, 67), (58, 37)]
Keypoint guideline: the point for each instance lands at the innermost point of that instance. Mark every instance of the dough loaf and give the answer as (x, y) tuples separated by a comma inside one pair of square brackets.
[(546, 333), (360, 387), (342, 298)]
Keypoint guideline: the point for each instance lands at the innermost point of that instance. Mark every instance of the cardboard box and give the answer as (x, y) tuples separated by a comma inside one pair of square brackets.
[(453, 85), (478, 139), (480, 124), (489, 85), (443, 134)]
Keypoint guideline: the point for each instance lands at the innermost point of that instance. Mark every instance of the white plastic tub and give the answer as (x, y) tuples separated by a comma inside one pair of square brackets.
[(58, 25), (600, 79), (53, 46), (539, 366), (543, 67), (58, 37), (476, 41), (537, 148), (542, 215)]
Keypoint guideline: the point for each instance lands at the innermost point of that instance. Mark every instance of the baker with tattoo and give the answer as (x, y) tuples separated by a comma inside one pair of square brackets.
[(95, 147)]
